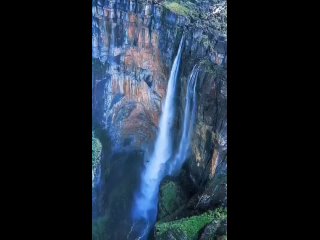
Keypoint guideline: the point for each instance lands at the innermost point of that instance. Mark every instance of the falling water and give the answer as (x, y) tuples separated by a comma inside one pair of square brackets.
[(188, 122), (146, 201)]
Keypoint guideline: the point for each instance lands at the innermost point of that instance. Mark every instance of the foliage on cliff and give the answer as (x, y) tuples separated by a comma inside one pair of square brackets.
[(189, 228), (208, 15), (171, 198), (178, 8)]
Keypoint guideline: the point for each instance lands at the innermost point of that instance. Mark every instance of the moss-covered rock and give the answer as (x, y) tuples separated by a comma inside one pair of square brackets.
[(190, 228), (178, 8), (171, 198)]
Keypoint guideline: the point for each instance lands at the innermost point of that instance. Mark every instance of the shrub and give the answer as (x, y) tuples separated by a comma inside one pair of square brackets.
[(171, 198), (190, 227), (177, 8)]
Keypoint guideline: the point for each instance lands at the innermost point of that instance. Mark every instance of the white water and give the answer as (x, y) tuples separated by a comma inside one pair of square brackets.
[(146, 201), (188, 121)]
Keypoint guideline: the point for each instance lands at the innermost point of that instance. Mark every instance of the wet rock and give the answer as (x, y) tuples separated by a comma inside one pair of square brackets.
[(173, 234), (216, 230), (215, 194)]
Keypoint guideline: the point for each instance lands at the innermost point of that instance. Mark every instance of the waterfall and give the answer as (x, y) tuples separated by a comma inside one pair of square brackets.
[(188, 121), (146, 201)]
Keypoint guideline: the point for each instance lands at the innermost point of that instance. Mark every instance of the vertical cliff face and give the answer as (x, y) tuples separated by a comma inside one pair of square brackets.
[(131, 67), (134, 43), (205, 169), (209, 142), (133, 47)]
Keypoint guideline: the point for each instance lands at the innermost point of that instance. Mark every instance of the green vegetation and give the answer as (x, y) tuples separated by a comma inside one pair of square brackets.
[(171, 198), (190, 227), (96, 152), (178, 8), (207, 15)]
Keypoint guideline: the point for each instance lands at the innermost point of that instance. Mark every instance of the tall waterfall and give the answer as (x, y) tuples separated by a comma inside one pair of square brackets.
[(146, 201), (188, 121)]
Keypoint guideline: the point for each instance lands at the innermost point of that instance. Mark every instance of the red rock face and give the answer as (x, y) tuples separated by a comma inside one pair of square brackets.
[(137, 79)]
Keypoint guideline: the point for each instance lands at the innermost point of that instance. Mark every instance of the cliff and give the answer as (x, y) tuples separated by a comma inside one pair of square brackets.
[(133, 47)]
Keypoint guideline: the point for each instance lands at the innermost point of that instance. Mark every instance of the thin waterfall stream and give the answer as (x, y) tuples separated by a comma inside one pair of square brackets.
[(188, 122)]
